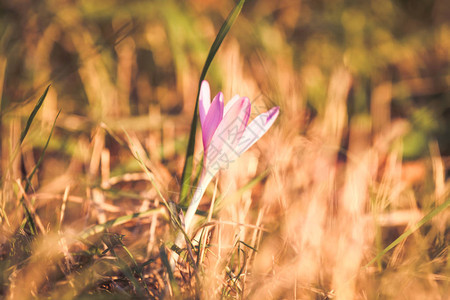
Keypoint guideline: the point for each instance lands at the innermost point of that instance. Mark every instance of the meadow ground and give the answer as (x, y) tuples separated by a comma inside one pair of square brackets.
[(345, 197)]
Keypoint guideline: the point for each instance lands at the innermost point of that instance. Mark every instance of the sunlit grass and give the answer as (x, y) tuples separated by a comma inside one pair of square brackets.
[(345, 197)]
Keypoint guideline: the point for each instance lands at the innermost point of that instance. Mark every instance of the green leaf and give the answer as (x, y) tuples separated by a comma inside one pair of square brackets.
[(187, 170)]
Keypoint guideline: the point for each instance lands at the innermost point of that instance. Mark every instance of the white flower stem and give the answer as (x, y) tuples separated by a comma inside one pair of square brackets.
[(199, 191), (203, 182)]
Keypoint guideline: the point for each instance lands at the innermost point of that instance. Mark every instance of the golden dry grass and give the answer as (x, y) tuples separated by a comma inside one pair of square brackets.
[(298, 216)]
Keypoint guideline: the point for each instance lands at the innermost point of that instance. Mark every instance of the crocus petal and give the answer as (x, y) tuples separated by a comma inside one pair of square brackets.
[(231, 103), (212, 120), (234, 122), (256, 129), (204, 101), (222, 149)]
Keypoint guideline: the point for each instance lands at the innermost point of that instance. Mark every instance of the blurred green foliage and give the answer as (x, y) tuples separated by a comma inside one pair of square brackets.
[(402, 42)]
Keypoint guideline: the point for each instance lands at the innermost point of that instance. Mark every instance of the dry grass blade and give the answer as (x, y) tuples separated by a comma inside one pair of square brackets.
[(99, 228), (346, 197)]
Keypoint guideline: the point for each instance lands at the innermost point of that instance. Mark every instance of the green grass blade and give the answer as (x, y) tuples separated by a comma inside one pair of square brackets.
[(187, 170), (137, 269), (33, 114), (221, 36), (247, 245), (27, 126), (111, 242), (41, 158), (411, 230), (29, 217)]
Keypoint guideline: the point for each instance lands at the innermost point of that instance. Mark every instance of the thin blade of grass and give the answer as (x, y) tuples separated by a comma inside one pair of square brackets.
[(188, 163), (113, 241), (29, 217), (173, 215), (241, 267), (41, 158), (138, 269), (247, 245), (24, 132), (184, 202), (411, 230), (33, 114)]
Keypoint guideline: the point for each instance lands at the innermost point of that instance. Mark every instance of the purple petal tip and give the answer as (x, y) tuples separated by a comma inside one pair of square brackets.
[(273, 113)]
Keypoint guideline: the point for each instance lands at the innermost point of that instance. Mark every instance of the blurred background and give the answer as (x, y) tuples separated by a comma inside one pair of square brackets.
[(115, 61), (364, 92)]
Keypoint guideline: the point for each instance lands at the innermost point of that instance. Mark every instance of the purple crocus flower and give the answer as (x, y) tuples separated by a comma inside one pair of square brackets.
[(226, 135)]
